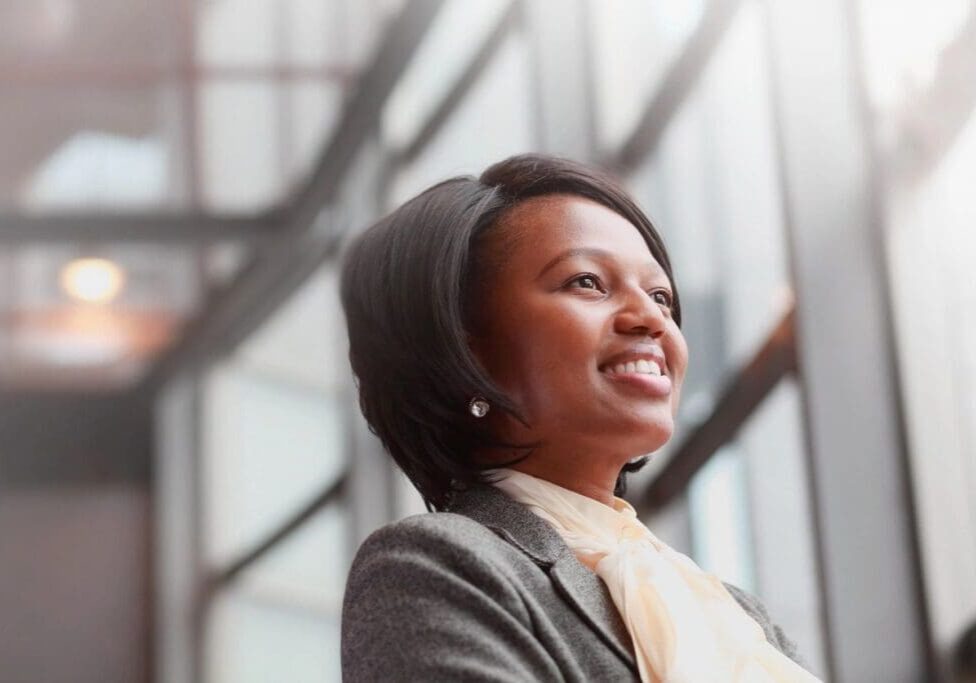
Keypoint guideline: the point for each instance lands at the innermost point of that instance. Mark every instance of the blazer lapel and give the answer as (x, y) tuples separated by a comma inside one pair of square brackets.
[(578, 586), (584, 590)]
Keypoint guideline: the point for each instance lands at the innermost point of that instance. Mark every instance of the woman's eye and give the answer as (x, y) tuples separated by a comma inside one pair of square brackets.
[(586, 282), (663, 297)]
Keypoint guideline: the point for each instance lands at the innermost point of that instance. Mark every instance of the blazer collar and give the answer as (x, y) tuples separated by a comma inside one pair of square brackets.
[(583, 590)]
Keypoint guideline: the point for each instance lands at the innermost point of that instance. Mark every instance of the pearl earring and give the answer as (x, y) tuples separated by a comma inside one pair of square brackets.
[(479, 407)]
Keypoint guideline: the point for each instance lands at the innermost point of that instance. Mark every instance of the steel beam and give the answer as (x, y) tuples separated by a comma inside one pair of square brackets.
[(309, 232), (166, 228), (296, 214), (360, 118), (330, 494)]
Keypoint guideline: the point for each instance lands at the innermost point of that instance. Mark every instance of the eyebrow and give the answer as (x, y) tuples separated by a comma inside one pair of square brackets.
[(593, 253)]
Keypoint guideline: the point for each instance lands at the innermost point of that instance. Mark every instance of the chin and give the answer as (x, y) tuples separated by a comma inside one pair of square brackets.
[(652, 435)]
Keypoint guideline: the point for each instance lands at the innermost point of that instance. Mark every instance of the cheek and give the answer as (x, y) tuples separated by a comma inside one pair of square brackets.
[(680, 367), (683, 361), (542, 350)]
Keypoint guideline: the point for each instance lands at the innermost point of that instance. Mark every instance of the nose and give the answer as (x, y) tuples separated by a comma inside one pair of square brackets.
[(640, 314)]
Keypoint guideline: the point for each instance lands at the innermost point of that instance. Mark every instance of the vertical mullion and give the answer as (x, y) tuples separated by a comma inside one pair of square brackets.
[(857, 466), (561, 82), (179, 605)]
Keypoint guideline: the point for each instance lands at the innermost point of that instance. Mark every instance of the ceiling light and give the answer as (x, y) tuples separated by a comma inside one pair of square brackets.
[(92, 279)]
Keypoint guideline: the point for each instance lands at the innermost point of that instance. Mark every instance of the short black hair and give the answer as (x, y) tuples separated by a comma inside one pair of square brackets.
[(406, 290)]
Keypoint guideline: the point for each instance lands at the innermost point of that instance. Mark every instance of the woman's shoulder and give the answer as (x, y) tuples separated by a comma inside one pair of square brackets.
[(427, 588), (433, 536), (437, 553), (427, 566), (426, 530)]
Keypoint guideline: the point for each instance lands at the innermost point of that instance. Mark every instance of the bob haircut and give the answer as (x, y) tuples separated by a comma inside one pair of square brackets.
[(409, 289)]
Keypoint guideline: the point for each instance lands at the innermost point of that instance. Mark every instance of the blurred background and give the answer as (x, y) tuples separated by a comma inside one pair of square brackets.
[(184, 475)]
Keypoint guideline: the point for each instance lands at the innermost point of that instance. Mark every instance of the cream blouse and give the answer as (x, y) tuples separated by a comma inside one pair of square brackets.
[(685, 626)]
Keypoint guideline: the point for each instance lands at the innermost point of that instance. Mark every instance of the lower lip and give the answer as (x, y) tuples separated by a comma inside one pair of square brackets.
[(658, 386)]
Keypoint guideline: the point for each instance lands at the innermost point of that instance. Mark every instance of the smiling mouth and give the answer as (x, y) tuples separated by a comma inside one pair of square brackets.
[(640, 367), (642, 376)]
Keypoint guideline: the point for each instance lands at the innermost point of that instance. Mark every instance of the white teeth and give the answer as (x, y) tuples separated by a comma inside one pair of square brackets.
[(642, 366)]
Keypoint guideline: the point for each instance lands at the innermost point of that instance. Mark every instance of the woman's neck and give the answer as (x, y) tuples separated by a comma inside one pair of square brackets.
[(593, 482)]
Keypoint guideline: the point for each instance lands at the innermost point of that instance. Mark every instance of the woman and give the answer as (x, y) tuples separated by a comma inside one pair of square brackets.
[(516, 340)]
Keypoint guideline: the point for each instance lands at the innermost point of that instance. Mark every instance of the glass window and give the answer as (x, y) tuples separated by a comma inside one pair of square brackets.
[(313, 33), (217, 105), (236, 32), (493, 122), (918, 72), (103, 148), (902, 41), (634, 44), (276, 416), (780, 520), (309, 567), (250, 640), (311, 112), (712, 190), (241, 147), (280, 617), (304, 343), (720, 533), (439, 61), (87, 118), (270, 447), (931, 249), (99, 169)]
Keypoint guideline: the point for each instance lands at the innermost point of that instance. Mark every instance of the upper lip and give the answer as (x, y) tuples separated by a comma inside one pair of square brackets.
[(654, 353)]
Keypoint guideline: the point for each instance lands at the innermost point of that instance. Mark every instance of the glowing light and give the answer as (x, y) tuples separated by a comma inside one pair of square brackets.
[(78, 350), (92, 279)]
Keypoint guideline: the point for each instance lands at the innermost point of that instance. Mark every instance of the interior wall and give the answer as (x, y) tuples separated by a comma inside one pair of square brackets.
[(74, 538)]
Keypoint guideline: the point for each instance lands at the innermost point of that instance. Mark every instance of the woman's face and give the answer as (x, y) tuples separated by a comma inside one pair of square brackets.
[(577, 328)]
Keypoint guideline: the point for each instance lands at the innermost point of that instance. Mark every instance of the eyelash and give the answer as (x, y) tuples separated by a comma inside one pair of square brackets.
[(588, 276), (599, 287)]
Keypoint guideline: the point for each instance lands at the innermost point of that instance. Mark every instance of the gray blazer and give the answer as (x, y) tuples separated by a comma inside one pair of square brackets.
[(486, 592)]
